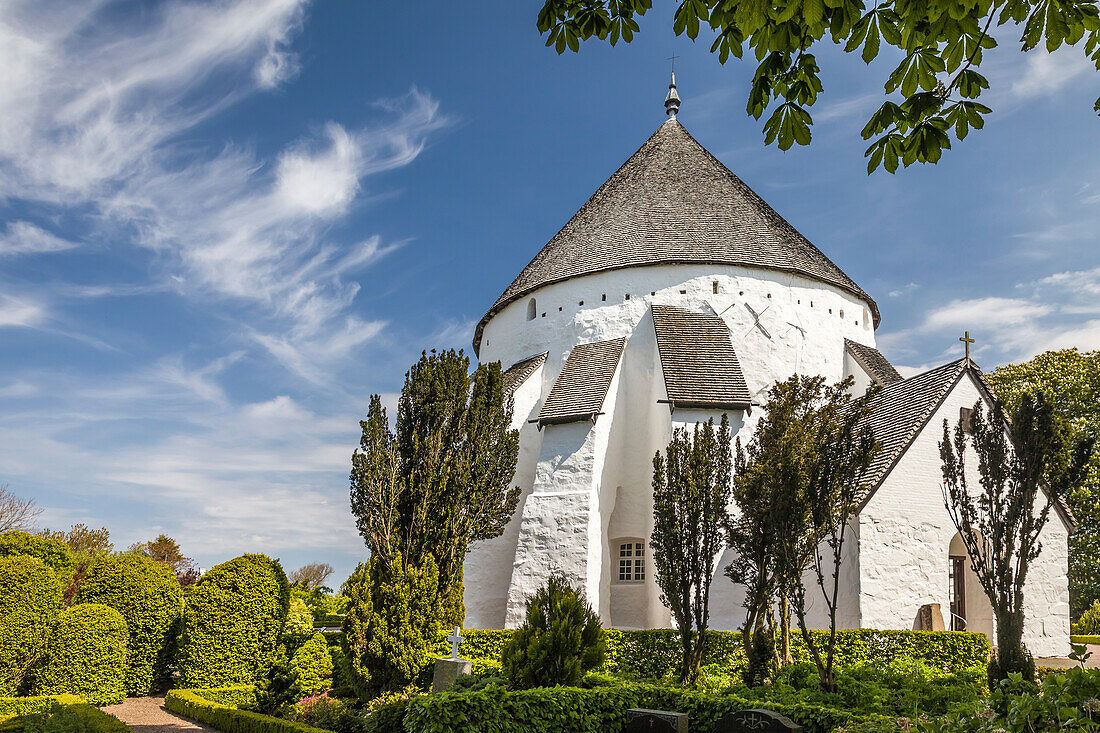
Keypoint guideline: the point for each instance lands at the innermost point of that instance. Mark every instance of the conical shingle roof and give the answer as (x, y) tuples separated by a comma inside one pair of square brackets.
[(673, 202)]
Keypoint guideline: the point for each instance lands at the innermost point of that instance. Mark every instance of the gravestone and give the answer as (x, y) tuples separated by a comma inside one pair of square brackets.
[(448, 670), (931, 619), (642, 720), (756, 721)]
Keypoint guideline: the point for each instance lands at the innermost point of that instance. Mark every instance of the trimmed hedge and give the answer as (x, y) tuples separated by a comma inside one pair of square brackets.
[(77, 716), (328, 620), (147, 595), (1085, 639), (234, 618), (54, 553), (231, 696), (30, 598), (191, 704), (656, 653), (34, 704), (86, 655), (598, 710), (313, 663)]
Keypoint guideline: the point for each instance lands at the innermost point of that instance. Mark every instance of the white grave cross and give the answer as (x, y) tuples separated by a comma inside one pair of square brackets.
[(455, 639)]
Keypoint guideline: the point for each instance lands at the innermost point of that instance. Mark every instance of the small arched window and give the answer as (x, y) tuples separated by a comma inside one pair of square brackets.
[(531, 309)]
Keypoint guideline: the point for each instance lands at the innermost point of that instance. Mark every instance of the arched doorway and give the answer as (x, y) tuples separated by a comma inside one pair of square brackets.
[(969, 607)]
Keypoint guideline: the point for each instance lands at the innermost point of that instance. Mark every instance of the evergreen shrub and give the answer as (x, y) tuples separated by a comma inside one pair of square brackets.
[(54, 553), (313, 663), (1089, 623), (147, 595), (230, 696), (234, 619), (230, 720), (560, 639), (30, 598), (29, 704), (74, 718), (299, 622), (86, 655)]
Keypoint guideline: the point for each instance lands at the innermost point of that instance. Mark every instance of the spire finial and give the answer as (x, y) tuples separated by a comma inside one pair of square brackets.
[(672, 100)]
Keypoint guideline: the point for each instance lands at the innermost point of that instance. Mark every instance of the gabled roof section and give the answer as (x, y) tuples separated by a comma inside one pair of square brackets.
[(873, 362), (901, 411), (582, 386), (697, 357), (673, 202), (521, 371)]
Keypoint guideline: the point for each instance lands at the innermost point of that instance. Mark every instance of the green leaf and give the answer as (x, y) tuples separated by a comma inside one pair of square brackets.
[(971, 83), (883, 119)]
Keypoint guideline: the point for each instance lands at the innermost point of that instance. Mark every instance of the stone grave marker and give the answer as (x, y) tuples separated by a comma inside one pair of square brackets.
[(756, 721), (448, 670), (642, 720)]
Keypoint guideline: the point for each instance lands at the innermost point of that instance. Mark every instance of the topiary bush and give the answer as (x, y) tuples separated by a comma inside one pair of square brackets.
[(54, 553), (559, 641), (30, 598), (234, 619), (73, 718), (86, 656), (1089, 623), (313, 663), (147, 595)]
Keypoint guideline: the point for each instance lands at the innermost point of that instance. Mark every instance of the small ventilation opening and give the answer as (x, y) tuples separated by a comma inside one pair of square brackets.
[(531, 309), (714, 287), (603, 297)]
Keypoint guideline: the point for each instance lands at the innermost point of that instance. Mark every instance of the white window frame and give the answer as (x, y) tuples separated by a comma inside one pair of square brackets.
[(628, 553)]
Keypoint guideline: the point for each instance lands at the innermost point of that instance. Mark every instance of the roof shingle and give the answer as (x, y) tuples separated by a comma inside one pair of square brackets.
[(521, 371), (698, 361), (673, 202), (580, 389), (873, 362)]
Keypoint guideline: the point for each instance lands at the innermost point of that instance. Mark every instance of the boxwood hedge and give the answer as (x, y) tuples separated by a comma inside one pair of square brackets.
[(655, 653), (86, 655), (71, 716), (234, 618), (191, 704), (147, 595), (34, 704), (313, 663), (54, 553), (30, 598)]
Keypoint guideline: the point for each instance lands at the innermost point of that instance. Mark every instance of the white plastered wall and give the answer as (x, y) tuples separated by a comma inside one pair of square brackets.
[(905, 539)]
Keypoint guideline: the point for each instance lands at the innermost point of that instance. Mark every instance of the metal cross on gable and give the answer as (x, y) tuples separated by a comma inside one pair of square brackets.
[(456, 640), (673, 58), (967, 340)]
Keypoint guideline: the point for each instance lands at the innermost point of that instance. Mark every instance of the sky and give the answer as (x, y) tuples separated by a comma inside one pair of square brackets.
[(224, 225)]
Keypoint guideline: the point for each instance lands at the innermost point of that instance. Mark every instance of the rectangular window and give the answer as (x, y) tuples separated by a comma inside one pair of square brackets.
[(966, 417), (631, 562)]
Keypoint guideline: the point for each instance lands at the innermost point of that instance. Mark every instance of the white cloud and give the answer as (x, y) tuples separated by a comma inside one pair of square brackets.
[(20, 313), (991, 312), (24, 238), (1044, 74), (321, 183)]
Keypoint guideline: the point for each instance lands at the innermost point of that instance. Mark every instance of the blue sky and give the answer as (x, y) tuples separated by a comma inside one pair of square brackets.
[(223, 225)]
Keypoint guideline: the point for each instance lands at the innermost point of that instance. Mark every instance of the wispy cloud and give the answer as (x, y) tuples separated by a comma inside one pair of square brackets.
[(24, 238)]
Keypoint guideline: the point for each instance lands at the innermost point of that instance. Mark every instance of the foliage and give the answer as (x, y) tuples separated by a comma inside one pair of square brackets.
[(1071, 381), (166, 551), (30, 597), (327, 609), (393, 623), (1089, 622), (73, 718), (440, 480), (27, 705), (655, 653), (559, 641), (16, 513), (52, 552), (148, 597), (796, 489), (83, 542), (310, 577), (321, 711), (691, 488), (313, 665), (86, 655), (931, 93), (232, 696), (228, 719), (299, 622), (1022, 460), (279, 687), (234, 618)]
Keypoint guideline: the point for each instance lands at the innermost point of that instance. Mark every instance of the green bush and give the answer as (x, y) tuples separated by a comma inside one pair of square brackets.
[(234, 618), (299, 622), (147, 595), (230, 696), (227, 719), (313, 663), (1093, 639), (30, 598), (75, 718), (330, 620), (392, 624), (34, 704), (1089, 623), (54, 553), (655, 653), (561, 639), (86, 655)]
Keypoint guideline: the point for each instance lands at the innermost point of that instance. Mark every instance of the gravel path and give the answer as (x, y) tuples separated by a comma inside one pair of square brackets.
[(147, 715)]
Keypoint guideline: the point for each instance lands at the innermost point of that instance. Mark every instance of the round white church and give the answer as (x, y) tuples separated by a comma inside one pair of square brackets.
[(674, 295)]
